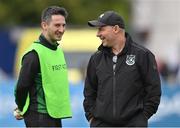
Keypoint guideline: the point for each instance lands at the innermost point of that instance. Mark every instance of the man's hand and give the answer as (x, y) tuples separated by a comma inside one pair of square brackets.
[(92, 118), (17, 114)]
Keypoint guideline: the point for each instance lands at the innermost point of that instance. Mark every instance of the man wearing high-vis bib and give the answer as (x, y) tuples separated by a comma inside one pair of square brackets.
[(42, 90)]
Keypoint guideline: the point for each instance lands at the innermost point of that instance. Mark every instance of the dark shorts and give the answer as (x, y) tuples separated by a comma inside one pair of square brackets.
[(35, 119)]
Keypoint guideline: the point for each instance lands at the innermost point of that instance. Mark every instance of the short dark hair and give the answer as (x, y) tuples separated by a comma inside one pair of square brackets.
[(53, 10)]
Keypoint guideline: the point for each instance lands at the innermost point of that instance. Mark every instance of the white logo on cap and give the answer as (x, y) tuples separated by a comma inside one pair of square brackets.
[(101, 15)]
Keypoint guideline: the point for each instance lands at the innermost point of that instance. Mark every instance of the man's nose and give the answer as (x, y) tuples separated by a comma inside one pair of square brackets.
[(61, 29), (98, 34)]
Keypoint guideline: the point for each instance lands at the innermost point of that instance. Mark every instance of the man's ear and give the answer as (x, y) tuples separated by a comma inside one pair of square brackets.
[(116, 28), (44, 25)]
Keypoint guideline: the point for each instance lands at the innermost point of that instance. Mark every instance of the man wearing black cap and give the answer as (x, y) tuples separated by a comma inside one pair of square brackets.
[(122, 86)]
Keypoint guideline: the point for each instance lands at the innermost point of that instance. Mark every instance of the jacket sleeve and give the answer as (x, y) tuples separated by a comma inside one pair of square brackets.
[(30, 65), (152, 85), (90, 89)]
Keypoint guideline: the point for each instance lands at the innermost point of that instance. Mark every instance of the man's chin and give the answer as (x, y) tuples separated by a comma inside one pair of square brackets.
[(58, 39), (104, 44)]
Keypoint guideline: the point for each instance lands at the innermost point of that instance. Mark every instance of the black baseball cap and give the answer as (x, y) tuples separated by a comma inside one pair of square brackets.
[(108, 18)]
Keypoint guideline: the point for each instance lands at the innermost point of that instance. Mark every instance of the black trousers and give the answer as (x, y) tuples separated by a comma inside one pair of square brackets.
[(35, 119)]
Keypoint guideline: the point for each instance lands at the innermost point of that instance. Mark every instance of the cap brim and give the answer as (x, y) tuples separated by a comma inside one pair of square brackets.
[(95, 23)]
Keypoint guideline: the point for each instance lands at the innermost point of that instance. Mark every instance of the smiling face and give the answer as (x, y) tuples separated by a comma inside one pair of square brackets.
[(54, 29), (106, 35)]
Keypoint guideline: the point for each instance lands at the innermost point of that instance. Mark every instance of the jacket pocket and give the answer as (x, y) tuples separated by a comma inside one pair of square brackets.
[(138, 120)]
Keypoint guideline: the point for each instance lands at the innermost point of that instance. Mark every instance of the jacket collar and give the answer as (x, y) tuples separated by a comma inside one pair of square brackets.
[(46, 43)]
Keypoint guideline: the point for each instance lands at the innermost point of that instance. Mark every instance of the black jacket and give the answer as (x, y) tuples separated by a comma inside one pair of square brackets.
[(132, 89)]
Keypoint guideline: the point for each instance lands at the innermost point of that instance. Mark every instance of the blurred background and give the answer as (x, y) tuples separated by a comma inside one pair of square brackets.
[(154, 24)]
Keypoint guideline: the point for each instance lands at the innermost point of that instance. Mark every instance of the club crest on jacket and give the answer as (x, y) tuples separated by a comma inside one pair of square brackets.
[(130, 59)]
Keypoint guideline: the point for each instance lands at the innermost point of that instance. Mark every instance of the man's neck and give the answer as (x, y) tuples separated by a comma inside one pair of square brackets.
[(119, 47), (45, 42), (50, 41)]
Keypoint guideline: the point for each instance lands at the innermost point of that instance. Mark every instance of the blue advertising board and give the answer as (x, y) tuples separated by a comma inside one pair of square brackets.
[(168, 114)]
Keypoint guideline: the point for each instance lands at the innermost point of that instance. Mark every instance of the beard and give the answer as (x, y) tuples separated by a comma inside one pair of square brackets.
[(55, 36), (106, 44)]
